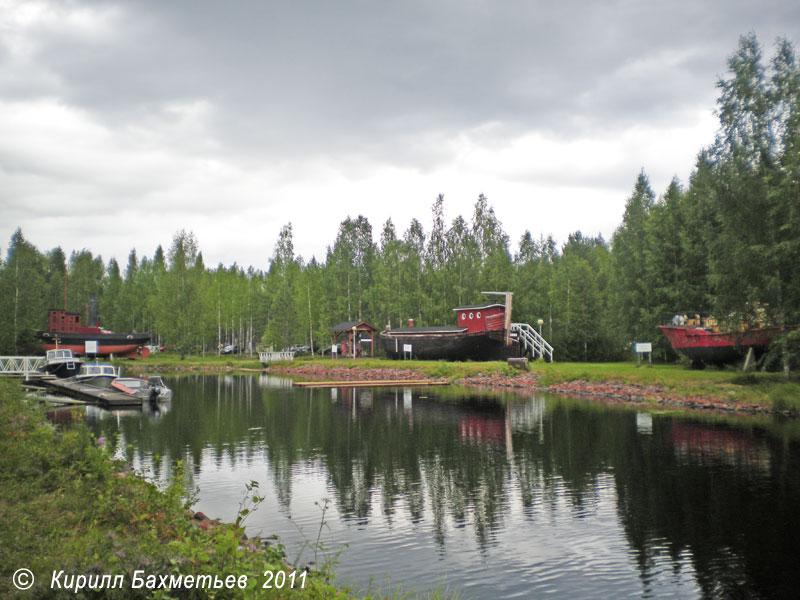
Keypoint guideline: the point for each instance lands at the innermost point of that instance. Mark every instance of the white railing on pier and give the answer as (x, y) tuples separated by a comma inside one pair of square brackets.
[(532, 340), (21, 365), (270, 357)]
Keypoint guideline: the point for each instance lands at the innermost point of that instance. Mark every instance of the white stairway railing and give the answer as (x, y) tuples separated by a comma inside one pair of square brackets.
[(21, 365), (532, 340)]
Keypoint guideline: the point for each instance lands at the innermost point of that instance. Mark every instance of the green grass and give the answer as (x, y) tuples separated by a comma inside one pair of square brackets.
[(174, 361)]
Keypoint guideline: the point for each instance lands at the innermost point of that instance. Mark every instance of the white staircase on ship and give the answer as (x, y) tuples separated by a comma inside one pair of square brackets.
[(532, 341)]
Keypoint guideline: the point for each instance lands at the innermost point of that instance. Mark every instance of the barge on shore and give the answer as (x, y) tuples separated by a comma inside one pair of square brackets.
[(700, 339), (483, 332)]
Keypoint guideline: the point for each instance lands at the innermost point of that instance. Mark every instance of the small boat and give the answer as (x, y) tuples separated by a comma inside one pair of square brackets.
[(97, 374), (145, 388), (61, 362), (702, 341)]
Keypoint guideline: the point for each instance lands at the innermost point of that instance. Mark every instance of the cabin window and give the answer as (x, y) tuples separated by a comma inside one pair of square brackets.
[(463, 316), (478, 315), (470, 316)]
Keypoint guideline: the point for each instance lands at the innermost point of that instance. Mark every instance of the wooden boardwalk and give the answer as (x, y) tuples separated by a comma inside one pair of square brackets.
[(90, 393), (368, 383)]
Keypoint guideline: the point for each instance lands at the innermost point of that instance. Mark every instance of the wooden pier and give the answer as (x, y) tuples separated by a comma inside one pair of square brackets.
[(368, 383), (89, 393)]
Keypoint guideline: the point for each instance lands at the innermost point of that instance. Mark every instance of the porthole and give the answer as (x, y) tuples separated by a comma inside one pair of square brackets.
[(470, 316), (463, 316), (478, 316)]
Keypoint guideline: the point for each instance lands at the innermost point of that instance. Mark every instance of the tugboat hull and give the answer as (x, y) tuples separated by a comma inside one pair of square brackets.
[(443, 343)]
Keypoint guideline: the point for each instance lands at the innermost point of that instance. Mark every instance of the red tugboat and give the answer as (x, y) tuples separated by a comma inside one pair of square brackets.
[(700, 339), (66, 331)]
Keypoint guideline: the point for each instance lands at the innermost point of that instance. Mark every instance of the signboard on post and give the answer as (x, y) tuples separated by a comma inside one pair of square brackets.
[(406, 351), (643, 348), (91, 347)]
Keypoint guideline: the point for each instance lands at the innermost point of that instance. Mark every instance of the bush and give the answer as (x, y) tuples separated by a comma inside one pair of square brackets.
[(785, 397)]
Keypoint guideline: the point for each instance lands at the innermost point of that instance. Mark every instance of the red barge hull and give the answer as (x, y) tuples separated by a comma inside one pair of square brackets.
[(702, 346)]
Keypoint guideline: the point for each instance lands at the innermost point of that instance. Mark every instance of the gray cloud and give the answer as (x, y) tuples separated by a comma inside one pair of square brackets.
[(290, 75), (268, 86)]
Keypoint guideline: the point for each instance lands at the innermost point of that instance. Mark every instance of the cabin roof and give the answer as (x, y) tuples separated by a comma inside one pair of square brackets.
[(479, 307), (348, 326)]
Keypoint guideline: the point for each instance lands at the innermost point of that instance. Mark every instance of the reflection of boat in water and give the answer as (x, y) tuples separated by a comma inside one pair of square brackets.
[(702, 444), (145, 388), (701, 340), (96, 374), (61, 362), (65, 330), (482, 430)]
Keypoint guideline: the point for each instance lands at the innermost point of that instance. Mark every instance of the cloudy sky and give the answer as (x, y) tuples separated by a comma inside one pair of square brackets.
[(124, 122)]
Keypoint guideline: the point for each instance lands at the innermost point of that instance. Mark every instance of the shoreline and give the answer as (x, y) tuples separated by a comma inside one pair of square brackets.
[(668, 386), (602, 391)]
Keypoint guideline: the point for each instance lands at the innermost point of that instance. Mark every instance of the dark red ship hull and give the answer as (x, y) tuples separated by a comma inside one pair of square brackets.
[(65, 330), (122, 345), (702, 346), (448, 343)]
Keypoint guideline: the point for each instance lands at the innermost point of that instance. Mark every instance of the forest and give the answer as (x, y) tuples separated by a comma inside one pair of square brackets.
[(726, 242)]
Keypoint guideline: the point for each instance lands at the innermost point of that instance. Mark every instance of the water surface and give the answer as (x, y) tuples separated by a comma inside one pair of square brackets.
[(500, 496)]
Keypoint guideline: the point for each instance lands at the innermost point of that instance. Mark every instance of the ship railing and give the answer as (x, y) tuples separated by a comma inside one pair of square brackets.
[(532, 340), (21, 365)]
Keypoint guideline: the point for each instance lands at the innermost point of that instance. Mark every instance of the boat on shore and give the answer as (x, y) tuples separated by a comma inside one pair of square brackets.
[(65, 330), (482, 333), (700, 339)]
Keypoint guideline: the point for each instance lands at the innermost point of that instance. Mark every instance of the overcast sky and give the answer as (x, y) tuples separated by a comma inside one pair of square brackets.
[(124, 122)]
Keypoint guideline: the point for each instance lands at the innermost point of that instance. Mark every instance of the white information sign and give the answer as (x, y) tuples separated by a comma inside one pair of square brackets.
[(406, 347), (91, 347), (644, 347), (334, 349)]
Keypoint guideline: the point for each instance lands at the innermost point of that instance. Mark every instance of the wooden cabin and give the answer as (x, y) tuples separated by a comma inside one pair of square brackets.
[(351, 334)]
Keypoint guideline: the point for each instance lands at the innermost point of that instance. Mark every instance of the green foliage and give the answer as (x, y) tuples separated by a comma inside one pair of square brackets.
[(785, 397), (22, 283)]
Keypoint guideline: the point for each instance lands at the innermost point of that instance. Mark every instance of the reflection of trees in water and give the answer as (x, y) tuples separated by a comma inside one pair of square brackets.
[(702, 498), (723, 501)]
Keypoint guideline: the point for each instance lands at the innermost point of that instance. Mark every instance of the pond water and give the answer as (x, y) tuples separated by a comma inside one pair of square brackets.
[(493, 495)]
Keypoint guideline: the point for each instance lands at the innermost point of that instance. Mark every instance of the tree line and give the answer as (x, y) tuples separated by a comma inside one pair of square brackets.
[(727, 242)]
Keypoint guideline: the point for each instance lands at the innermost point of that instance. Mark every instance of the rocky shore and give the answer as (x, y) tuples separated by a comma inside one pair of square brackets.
[(608, 392)]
